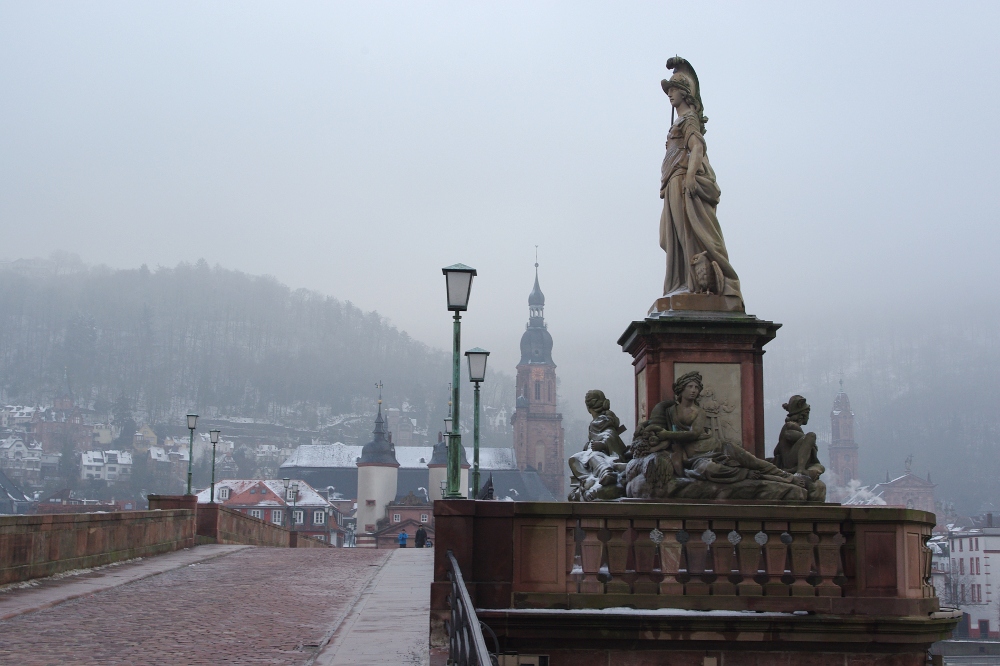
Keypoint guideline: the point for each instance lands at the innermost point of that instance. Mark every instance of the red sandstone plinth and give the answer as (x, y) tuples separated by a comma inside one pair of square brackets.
[(728, 350)]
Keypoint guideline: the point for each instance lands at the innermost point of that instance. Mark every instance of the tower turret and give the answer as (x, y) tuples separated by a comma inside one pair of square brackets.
[(377, 476)]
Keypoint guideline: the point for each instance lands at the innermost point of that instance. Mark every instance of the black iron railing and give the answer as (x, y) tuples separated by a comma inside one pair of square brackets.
[(466, 645)]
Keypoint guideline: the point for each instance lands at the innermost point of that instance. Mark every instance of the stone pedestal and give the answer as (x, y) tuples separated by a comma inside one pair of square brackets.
[(727, 348)]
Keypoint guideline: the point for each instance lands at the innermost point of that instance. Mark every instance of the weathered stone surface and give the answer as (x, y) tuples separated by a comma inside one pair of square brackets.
[(596, 472), (697, 260)]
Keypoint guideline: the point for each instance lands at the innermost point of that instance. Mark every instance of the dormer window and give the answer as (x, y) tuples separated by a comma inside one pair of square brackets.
[(223, 493)]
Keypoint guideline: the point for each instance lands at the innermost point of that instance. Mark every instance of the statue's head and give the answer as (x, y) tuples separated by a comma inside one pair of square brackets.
[(596, 402), (680, 88), (798, 410), (684, 86), (689, 385)]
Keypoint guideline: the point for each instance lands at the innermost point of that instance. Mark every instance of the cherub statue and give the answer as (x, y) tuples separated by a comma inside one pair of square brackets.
[(796, 451), (595, 472)]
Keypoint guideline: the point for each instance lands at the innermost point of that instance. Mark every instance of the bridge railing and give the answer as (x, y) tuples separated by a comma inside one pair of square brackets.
[(466, 644)]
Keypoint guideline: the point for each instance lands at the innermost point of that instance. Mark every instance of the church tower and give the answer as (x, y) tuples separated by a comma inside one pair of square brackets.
[(538, 431), (843, 448)]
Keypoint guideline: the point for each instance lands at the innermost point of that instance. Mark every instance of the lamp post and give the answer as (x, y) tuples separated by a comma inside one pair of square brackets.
[(192, 424), (477, 373), (458, 280), (214, 435)]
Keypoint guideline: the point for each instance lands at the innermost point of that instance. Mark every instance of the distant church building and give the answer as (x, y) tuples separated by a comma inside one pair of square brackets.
[(843, 449), (538, 431), (908, 491)]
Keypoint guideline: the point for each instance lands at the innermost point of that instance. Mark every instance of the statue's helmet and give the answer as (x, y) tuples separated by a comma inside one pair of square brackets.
[(685, 79)]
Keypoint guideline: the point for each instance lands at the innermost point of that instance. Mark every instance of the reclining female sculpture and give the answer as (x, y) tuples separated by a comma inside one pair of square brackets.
[(676, 453)]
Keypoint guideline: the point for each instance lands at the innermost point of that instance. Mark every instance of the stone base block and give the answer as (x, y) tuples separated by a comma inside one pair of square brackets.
[(725, 347), (697, 302), (574, 638)]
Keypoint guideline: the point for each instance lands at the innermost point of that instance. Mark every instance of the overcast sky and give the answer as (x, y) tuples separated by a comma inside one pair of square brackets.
[(355, 149)]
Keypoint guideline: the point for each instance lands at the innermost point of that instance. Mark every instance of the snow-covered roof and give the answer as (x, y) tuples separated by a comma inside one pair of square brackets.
[(158, 454), (308, 497), (106, 457), (409, 457), (337, 454)]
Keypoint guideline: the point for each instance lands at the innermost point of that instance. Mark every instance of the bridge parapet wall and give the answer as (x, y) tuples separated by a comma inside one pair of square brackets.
[(43, 545), (560, 577)]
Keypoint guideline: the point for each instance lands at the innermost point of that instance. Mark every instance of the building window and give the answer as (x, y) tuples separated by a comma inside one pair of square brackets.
[(276, 516), (299, 515), (263, 491), (977, 543), (423, 517), (319, 517), (223, 493), (978, 571), (960, 545), (395, 517), (253, 491), (961, 566), (538, 390), (256, 513), (290, 496)]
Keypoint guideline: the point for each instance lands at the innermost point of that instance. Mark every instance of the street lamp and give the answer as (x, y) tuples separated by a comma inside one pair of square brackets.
[(214, 435), (477, 373), (458, 279), (192, 424)]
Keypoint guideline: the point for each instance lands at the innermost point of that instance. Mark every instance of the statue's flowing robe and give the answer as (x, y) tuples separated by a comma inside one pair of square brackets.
[(688, 225)]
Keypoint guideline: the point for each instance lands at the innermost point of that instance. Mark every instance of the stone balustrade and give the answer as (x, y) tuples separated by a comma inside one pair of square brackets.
[(698, 556)]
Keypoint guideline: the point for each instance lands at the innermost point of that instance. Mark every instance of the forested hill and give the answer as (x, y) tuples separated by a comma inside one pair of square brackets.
[(212, 339)]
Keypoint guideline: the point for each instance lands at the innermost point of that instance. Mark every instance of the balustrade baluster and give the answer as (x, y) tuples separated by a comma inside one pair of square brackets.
[(802, 564), (724, 559), (828, 559), (672, 555), (775, 555)]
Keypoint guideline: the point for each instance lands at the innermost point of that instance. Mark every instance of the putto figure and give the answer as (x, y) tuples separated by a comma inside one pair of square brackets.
[(595, 472), (796, 451), (697, 260)]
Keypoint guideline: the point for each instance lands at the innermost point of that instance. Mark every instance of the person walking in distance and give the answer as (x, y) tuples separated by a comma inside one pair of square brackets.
[(402, 538), (420, 537)]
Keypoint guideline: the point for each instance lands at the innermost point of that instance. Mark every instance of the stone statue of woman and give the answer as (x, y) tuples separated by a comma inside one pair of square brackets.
[(697, 260)]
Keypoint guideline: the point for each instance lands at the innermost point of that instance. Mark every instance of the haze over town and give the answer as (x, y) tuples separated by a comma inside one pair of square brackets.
[(354, 150)]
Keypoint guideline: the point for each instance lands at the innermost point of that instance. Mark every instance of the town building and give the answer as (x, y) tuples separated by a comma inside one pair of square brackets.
[(909, 490), (21, 462), (12, 498), (299, 507), (405, 514), (843, 452), (402, 426), (537, 425), (69, 501), (105, 465), (965, 576), (335, 466)]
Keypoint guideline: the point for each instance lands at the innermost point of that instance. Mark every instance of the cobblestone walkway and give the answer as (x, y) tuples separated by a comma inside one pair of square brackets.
[(253, 606)]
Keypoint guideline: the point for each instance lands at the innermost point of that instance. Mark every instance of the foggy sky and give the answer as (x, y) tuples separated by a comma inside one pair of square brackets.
[(355, 149)]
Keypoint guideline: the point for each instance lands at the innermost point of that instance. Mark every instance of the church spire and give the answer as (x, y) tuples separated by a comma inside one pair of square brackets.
[(536, 299)]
